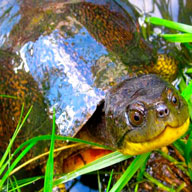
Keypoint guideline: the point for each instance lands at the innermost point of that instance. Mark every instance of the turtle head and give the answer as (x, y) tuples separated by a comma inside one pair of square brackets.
[(145, 113)]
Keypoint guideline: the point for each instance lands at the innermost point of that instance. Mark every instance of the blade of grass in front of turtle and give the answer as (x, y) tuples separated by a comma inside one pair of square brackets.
[(189, 70), (62, 138), (25, 182), (42, 155), (8, 149), (158, 183), (16, 184), (140, 174), (48, 137), (182, 85), (11, 184), (15, 162), (186, 148), (188, 152), (99, 181), (181, 186), (34, 139), (130, 171), (187, 91), (188, 46), (9, 96), (179, 145), (181, 38), (48, 182), (109, 182), (12, 140), (180, 165), (170, 24), (106, 161), (8, 166)]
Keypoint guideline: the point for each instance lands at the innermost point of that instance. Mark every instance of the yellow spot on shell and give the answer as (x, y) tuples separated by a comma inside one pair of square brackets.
[(165, 66)]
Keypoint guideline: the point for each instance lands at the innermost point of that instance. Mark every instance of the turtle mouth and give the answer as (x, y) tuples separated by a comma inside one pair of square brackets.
[(167, 136)]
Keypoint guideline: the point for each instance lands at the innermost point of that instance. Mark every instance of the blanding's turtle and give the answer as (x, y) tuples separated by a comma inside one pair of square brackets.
[(90, 62)]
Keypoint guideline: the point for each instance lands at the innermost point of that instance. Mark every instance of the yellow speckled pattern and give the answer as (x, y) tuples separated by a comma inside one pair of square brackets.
[(165, 66), (21, 86)]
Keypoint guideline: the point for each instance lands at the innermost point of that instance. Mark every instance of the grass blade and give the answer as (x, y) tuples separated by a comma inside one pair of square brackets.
[(61, 138), (12, 140), (24, 182), (188, 153), (158, 183), (11, 184), (48, 137), (19, 126), (100, 163), (99, 181), (16, 184), (109, 182), (170, 24), (187, 92), (42, 155), (181, 38), (6, 175), (189, 70), (131, 170), (180, 165), (48, 183), (9, 96)]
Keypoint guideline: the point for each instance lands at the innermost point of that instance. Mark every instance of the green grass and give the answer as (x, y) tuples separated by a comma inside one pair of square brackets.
[(184, 35), (5, 160), (179, 37), (101, 163), (48, 182), (137, 163), (109, 182), (106, 161), (98, 164)]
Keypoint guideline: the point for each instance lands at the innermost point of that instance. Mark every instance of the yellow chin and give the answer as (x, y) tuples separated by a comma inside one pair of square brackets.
[(168, 136)]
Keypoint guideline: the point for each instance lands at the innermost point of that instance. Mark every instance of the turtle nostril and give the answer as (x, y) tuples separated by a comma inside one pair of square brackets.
[(160, 113), (162, 110), (166, 111)]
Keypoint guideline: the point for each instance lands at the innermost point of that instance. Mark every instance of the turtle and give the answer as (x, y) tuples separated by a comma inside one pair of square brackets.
[(84, 63)]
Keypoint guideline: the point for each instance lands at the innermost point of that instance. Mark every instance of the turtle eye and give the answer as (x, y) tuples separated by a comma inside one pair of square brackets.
[(135, 117), (173, 98)]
